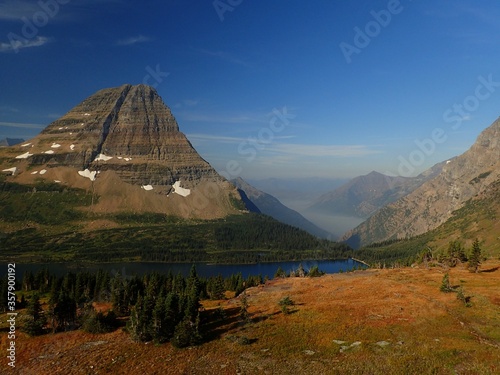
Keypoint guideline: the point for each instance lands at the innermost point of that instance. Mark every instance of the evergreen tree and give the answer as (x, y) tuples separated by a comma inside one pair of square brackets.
[(159, 322), (153, 285), (22, 303), (216, 287), (169, 282), (64, 312), (179, 284), (120, 306), (90, 287), (463, 298), (455, 253), (139, 324), (81, 295), (42, 280), (300, 271), (187, 333), (28, 281), (445, 284), (102, 289), (244, 315), (172, 315), (36, 320), (55, 290), (280, 273), (284, 303), (240, 284), (192, 295), (96, 321), (315, 272), (475, 257), (219, 289), (133, 288)]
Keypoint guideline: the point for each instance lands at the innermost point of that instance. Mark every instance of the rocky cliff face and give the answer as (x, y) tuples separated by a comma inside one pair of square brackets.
[(129, 130), (466, 176), (123, 135)]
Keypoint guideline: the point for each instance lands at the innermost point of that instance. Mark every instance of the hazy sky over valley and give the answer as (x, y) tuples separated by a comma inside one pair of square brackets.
[(268, 88)]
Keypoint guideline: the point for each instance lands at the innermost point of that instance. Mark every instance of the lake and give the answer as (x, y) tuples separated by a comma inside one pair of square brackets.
[(204, 270)]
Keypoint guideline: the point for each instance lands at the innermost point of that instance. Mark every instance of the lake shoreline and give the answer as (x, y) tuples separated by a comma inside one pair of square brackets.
[(205, 269)]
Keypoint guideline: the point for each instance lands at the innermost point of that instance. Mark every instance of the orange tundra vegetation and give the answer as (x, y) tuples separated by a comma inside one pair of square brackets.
[(389, 321)]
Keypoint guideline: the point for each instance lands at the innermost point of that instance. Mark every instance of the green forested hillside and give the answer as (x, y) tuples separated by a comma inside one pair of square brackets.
[(478, 218), (242, 238), (47, 222)]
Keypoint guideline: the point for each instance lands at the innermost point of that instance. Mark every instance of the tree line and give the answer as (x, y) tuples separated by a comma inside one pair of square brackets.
[(153, 307), (246, 238)]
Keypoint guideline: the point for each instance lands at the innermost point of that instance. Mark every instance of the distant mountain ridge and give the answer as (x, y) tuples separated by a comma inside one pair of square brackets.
[(364, 195), (6, 142), (269, 205), (469, 176)]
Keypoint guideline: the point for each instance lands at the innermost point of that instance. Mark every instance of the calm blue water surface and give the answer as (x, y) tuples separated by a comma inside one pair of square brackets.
[(204, 270)]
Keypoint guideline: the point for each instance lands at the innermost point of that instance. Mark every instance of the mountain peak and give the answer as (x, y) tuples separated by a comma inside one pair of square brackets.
[(128, 134), (10, 141), (125, 122), (376, 174), (468, 176)]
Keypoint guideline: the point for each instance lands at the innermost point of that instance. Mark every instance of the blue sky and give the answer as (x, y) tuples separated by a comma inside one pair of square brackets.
[(268, 88)]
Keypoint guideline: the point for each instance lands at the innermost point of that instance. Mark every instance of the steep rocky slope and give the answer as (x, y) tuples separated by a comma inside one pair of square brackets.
[(364, 195), (269, 205), (468, 176), (124, 144)]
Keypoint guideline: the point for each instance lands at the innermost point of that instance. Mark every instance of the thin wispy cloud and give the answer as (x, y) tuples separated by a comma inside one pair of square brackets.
[(218, 118), (225, 56), (190, 102), (322, 150), (133, 40), (484, 15), (21, 125), (229, 140), (288, 150), (14, 10), (8, 109), (18, 44), (214, 138), (253, 119), (187, 103)]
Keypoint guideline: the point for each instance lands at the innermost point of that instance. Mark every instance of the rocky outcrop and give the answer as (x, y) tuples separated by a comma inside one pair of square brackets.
[(466, 176)]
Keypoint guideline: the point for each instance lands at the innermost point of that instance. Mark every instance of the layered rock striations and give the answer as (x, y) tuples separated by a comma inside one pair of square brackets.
[(124, 135), (127, 129), (465, 177)]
